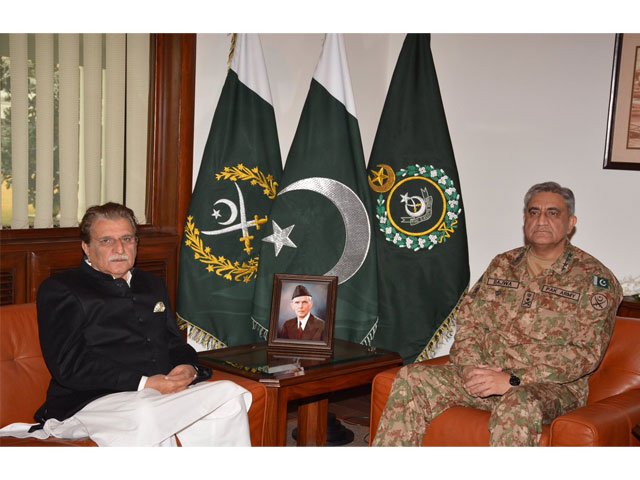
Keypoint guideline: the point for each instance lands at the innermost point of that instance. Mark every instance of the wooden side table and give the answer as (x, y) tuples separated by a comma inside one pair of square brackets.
[(352, 365)]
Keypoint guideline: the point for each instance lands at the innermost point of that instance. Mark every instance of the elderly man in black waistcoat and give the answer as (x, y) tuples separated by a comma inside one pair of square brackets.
[(121, 373)]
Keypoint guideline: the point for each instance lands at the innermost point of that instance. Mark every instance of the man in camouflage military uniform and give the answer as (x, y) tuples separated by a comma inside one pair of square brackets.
[(529, 334)]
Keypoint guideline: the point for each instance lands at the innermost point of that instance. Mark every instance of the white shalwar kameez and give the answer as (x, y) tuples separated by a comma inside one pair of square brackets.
[(206, 414)]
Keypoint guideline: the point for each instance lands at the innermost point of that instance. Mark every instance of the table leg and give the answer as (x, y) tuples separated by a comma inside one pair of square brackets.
[(312, 423), (275, 425)]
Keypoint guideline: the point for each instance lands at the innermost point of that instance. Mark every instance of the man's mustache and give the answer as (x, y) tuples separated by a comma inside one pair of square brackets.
[(119, 258)]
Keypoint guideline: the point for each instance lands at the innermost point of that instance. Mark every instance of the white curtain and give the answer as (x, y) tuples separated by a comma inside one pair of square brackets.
[(44, 131), (137, 124), (69, 119), (92, 118), (19, 130), (101, 135), (114, 111)]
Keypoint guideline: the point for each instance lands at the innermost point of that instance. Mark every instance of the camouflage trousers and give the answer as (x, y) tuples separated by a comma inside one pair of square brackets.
[(420, 393)]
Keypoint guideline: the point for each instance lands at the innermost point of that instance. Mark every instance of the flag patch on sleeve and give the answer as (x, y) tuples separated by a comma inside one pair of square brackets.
[(600, 282)]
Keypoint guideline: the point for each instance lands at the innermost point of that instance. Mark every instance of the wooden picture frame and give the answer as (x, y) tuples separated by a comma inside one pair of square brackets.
[(298, 295), (622, 148)]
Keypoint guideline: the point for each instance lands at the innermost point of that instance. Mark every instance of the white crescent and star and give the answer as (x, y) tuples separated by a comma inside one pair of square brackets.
[(243, 224), (232, 207), (355, 218)]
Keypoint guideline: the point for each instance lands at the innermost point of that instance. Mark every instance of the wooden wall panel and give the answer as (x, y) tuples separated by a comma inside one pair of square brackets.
[(13, 278), (159, 256)]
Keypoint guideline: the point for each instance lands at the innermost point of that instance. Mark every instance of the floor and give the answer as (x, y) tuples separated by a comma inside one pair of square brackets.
[(351, 409)]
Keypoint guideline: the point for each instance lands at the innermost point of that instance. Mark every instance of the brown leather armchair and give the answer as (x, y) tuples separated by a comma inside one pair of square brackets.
[(24, 379), (612, 410)]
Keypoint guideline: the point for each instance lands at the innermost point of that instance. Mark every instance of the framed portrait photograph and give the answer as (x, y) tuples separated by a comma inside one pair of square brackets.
[(303, 309), (622, 150)]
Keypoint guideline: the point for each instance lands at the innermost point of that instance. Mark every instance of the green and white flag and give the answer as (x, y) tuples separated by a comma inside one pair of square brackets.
[(319, 222), (237, 182), (423, 259)]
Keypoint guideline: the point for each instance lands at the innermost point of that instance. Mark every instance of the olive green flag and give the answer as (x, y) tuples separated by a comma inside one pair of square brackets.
[(423, 261), (319, 223), (229, 209)]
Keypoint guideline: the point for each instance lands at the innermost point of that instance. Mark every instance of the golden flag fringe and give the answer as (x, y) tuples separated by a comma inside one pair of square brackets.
[(199, 336), (444, 332)]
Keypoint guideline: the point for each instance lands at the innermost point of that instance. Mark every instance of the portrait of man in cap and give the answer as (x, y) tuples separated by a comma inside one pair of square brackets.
[(305, 325)]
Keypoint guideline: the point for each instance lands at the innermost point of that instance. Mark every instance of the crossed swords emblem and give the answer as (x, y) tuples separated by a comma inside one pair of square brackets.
[(243, 224)]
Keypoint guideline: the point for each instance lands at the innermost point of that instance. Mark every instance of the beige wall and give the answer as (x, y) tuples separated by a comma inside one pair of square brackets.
[(521, 109)]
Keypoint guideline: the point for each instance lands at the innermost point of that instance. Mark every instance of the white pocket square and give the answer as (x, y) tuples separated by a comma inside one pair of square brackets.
[(159, 307)]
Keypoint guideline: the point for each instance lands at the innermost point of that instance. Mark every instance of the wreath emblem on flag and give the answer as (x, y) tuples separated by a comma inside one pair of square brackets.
[(417, 207), (220, 265)]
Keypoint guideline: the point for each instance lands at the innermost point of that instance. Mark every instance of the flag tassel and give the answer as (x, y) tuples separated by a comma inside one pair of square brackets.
[(370, 335), (444, 333), (262, 332), (199, 336)]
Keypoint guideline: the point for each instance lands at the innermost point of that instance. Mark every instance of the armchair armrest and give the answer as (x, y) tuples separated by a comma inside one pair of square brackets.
[(608, 422)]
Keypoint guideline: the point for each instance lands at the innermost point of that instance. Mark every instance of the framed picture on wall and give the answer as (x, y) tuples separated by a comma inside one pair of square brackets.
[(302, 315), (622, 149)]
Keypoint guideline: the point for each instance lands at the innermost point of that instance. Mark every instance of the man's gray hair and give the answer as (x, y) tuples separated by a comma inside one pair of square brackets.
[(552, 187)]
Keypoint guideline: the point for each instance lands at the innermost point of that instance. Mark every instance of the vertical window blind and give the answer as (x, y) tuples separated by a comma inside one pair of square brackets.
[(73, 125)]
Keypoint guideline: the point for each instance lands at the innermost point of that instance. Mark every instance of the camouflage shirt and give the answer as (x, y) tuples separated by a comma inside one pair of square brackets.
[(554, 327)]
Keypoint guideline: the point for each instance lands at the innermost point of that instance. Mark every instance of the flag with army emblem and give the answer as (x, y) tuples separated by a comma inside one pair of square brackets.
[(319, 223), (421, 238), (229, 209)]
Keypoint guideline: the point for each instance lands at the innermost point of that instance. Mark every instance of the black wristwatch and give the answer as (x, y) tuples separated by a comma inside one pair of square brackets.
[(514, 380)]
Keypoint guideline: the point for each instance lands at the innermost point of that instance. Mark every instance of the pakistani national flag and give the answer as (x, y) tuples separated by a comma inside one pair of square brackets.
[(229, 210), (319, 223), (422, 251)]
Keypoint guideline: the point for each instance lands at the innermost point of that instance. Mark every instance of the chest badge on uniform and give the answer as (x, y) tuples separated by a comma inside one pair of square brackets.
[(159, 307), (502, 282), (599, 301), (561, 292), (527, 300)]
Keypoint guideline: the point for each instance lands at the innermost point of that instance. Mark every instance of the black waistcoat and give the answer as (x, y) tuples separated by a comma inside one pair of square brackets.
[(99, 336)]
